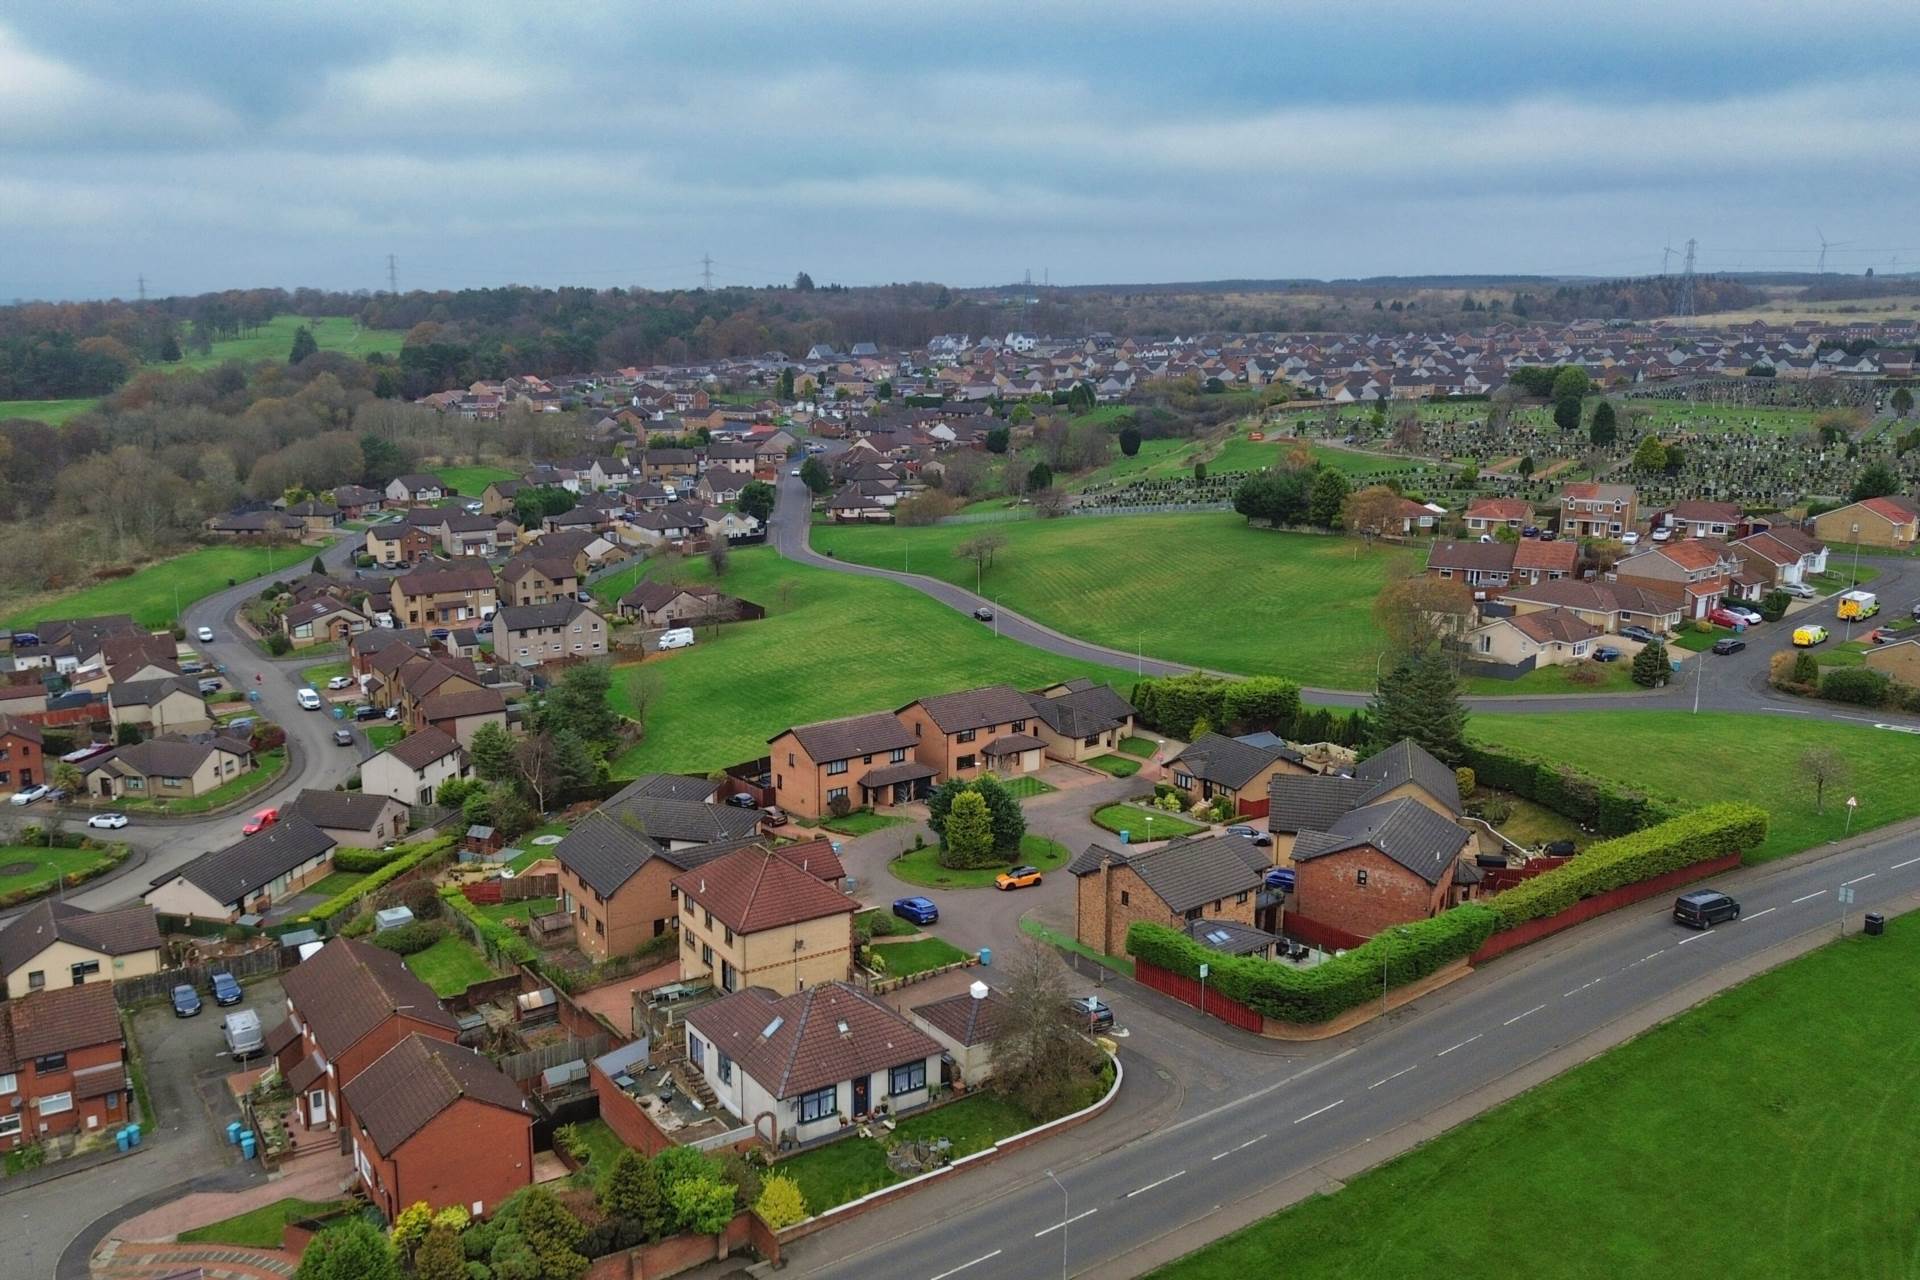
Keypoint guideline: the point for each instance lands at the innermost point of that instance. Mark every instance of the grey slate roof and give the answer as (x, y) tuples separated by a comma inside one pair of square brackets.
[(1405, 830), (526, 617), (976, 708), (1083, 712), (1187, 873), (670, 786), (672, 818), (343, 810), (114, 933), (1230, 937), (143, 693), (229, 874), (1407, 761), (1303, 802), (1227, 761), (605, 852), (854, 736)]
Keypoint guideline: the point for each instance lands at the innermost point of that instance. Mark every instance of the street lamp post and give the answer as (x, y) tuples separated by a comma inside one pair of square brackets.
[(1066, 1215)]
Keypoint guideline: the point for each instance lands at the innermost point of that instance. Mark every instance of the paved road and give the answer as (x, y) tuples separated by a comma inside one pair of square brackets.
[(1737, 683), (1298, 1124)]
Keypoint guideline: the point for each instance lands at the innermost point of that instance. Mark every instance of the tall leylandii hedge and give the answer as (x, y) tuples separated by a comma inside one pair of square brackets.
[(1679, 842), (1594, 804)]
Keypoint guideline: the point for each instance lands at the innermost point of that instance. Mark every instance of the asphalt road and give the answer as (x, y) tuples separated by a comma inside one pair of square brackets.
[(1374, 1090), (1736, 683)]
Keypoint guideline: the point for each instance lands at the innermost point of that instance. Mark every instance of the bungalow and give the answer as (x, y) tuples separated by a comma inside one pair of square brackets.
[(257, 524), (415, 490), (851, 505), (325, 619), (810, 1062), (167, 768), (1891, 523), (354, 819), (1606, 605), (1204, 878), (679, 812), (536, 634), (1078, 719), (960, 735), (718, 484), (315, 516), (1485, 568), (53, 944), (1214, 764), (665, 604), (1898, 660), (1544, 638), (412, 769), (62, 1065), (1699, 519), (355, 500), (753, 919), (1484, 515), (814, 765), (260, 870), (420, 1112)]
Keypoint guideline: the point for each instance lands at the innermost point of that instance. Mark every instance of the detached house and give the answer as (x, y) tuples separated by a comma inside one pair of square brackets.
[(1590, 510), (857, 761), (1379, 865), (167, 768), (166, 705), (961, 735), (1078, 719), (1892, 523), (1786, 557), (1698, 572), (1543, 638), (1484, 515), (412, 769), (325, 619), (617, 882), (1204, 878), (754, 919), (414, 490), (22, 763), (1214, 765), (52, 945), (1699, 519)]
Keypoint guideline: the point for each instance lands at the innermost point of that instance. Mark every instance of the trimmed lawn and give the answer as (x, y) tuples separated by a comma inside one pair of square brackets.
[(149, 593), (318, 675), (922, 866), (382, 734), (274, 340), (471, 482), (1802, 1076), (1533, 825), (603, 1147), (863, 822), (524, 909), (1723, 755), (45, 867), (885, 924), (52, 412), (1025, 788), (336, 883), (972, 1124), (271, 765), (1137, 746), (449, 966), (1605, 677), (838, 1172), (831, 645), (903, 958), (1206, 589), (1698, 641), (1132, 819), (260, 1228), (1118, 766)]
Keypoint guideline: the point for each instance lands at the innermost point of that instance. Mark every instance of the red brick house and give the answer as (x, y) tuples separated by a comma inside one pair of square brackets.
[(437, 1122), (346, 1006), (62, 1065), (1381, 865), (21, 762)]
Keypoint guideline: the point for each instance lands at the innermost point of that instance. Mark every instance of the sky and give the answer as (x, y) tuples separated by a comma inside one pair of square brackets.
[(230, 144)]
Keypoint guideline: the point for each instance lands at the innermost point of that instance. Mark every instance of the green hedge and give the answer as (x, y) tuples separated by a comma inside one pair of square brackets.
[(409, 857), (1678, 842), (1172, 704), (365, 859), (406, 939), (1281, 991), (1594, 804), (500, 942), (1862, 686)]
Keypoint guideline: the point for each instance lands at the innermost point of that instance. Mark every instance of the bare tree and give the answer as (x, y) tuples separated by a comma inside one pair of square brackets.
[(1415, 614), (980, 549), (1039, 1054), (1371, 511), (718, 558), (1050, 502), (1824, 767)]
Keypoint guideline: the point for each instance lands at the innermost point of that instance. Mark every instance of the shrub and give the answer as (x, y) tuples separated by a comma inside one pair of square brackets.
[(781, 1204), (1862, 686), (1702, 627), (501, 943), (839, 807), (1464, 781), (410, 856), (1280, 991), (1678, 842), (410, 938), (277, 643), (364, 860), (703, 1206)]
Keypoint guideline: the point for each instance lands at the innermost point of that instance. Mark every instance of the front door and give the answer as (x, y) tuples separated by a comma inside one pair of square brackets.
[(861, 1084), (316, 1108)]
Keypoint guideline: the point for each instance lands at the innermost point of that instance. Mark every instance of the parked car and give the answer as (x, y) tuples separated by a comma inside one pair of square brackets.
[(186, 1001), (743, 799), (1753, 617), (366, 711), (775, 816), (1641, 634), (1807, 637), (1281, 878), (260, 822), (391, 713), (677, 638), (210, 684), (1704, 908), (1254, 834), (1629, 539), (983, 614), (1606, 653), (27, 795), (1725, 617), (205, 634), (1661, 535), (918, 909), (1799, 590), (308, 700), (794, 472), (107, 821), (343, 737), (1728, 645), (340, 682), (1022, 877), (1531, 531), (1093, 1010), (225, 988)]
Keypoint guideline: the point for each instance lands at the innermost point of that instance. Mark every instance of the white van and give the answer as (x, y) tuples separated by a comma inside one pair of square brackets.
[(308, 700), (242, 1031), (678, 638)]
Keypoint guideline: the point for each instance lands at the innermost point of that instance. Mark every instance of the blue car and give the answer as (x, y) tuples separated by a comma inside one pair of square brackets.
[(186, 1001), (917, 909), (226, 990)]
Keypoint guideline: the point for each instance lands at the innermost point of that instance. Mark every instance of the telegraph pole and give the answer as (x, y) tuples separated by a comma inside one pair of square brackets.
[(393, 274)]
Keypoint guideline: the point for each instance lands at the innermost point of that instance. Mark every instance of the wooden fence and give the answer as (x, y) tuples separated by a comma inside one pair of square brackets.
[(525, 1066), (155, 986), (1189, 991)]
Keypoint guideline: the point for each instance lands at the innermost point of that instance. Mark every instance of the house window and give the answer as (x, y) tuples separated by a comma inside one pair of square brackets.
[(965, 735), (600, 927), (84, 970), (965, 762), (789, 759), (706, 954), (908, 1078), (821, 1104), (1486, 644), (36, 979), (690, 942), (726, 1069), (1126, 899), (1360, 876), (1240, 899), (9, 1125), (837, 793), (1446, 573), (54, 1104), (9, 1082), (836, 767), (697, 1049), (866, 759), (899, 756), (1193, 914), (728, 930)]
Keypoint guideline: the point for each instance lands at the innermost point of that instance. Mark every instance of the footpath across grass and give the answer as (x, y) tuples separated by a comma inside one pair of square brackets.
[(1695, 760), (1768, 1131)]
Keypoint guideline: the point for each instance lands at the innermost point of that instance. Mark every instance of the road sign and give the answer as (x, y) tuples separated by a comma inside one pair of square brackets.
[(1846, 897), (1205, 969), (1853, 802)]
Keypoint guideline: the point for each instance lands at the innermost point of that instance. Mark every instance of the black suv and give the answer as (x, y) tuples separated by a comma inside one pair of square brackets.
[(1704, 908)]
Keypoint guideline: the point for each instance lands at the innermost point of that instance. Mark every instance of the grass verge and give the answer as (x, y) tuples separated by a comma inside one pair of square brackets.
[(259, 1228), (1133, 819), (41, 868), (922, 866), (1053, 937)]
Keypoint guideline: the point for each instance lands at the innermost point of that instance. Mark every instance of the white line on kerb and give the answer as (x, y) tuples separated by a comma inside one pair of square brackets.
[(1463, 1044), (1809, 897), (1582, 987), (963, 1266), (1529, 1013), (1395, 1076), (1150, 1186), (1242, 1147), (1704, 933), (1756, 915), (1857, 879), (1909, 862), (1069, 1222), (1322, 1111)]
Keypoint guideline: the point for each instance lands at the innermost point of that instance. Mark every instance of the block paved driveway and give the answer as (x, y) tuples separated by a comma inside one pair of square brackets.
[(120, 1261)]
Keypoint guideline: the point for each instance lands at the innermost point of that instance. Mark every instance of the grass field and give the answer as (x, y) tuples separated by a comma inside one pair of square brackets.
[(260, 1228), (1132, 819), (1025, 788), (1722, 755), (601, 1145), (43, 867), (274, 340), (831, 645), (1206, 589), (150, 593), (922, 866), (1802, 1077), (449, 966), (51, 412), (471, 482)]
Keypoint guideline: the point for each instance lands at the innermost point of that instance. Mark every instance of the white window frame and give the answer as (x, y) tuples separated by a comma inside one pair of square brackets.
[(54, 1104)]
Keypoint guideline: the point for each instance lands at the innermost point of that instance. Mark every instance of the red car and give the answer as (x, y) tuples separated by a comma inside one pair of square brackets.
[(261, 821), (1724, 618)]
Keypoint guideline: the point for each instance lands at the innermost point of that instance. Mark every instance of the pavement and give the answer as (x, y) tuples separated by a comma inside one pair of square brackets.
[(1240, 1127)]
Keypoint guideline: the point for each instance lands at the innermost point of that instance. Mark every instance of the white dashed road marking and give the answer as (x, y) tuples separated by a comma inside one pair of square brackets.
[(1242, 1147), (1395, 1076), (1909, 862), (1322, 1111), (1150, 1186), (963, 1266), (1582, 987), (1528, 1014), (1857, 879), (1463, 1044), (1705, 933), (1756, 915), (1809, 897), (1069, 1222)]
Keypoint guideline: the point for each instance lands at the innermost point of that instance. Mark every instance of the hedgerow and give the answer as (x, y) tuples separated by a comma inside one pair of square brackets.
[(1587, 800), (410, 857)]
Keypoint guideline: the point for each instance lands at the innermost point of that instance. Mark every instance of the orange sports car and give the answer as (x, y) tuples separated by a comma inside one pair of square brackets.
[(1017, 878)]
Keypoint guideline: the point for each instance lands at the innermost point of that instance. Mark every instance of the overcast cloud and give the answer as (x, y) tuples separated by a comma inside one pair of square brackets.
[(229, 143)]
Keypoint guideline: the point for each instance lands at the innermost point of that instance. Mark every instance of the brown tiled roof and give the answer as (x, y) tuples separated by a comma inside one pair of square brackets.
[(853, 736), (418, 750), (1531, 553), (416, 1080), (58, 1022), (1500, 509), (464, 702), (751, 889), (1551, 625), (98, 1082), (281, 1034), (1009, 744), (975, 708), (425, 582), (967, 1020), (1495, 557), (807, 1049), (815, 857), (114, 933), (10, 727), (343, 810), (348, 988)]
